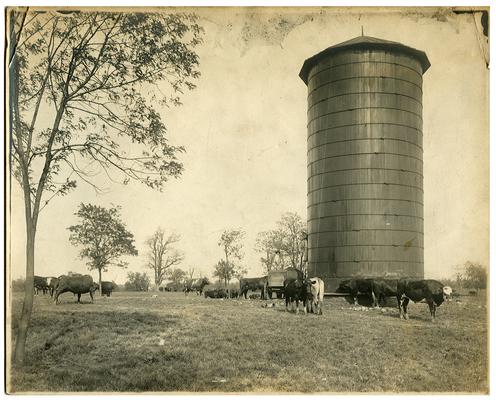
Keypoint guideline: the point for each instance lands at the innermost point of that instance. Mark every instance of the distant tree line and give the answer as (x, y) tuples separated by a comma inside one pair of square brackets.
[(472, 275)]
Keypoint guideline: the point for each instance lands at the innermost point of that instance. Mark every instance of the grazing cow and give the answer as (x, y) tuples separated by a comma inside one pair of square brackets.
[(295, 290), (77, 284), (40, 283), (315, 295), (216, 293), (357, 286), (382, 288), (426, 290), (253, 284), (234, 293), (107, 288), (199, 285), (52, 285)]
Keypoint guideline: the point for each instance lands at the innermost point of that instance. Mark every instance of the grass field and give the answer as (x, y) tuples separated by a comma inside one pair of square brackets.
[(133, 342)]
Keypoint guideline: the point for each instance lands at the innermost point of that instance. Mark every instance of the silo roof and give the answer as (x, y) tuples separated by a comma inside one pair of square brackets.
[(365, 43)]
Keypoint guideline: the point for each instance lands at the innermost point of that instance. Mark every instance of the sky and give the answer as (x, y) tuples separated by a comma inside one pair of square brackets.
[(244, 130)]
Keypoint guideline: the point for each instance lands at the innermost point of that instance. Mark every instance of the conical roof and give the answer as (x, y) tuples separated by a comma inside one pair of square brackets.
[(365, 43)]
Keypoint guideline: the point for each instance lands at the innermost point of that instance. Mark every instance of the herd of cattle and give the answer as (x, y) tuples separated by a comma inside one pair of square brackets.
[(296, 289), (75, 283), (310, 292)]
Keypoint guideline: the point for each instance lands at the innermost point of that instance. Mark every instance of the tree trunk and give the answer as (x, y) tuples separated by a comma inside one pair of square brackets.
[(27, 307), (100, 281)]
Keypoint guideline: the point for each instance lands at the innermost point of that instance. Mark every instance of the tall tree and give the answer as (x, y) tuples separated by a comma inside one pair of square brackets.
[(284, 246), (85, 92), (232, 245), (161, 255), (270, 245), (103, 237), (293, 231), (231, 242)]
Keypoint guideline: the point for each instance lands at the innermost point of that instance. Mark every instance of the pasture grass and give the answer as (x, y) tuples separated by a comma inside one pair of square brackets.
[(134, 342)]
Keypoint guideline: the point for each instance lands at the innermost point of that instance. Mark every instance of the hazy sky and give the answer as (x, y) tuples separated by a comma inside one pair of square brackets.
[(244, 129)]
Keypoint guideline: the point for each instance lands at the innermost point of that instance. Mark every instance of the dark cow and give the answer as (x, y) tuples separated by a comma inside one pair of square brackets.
[(52, 285), (216, 293), (382, 288), (315, 295), (357, 286), (376, 288), (295, 290), (426, 290), (77, 284), (199, 285), (253, 284), (107, 288), (234, 293), (40, 283)]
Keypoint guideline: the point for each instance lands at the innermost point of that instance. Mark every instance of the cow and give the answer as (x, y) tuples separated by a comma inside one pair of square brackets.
[(357, 286), (382, 288), (107, 288), (253, 284), (52, 285), (295, 290), (216, 293), (199, 285), (425, 290), (40, 283), (77, 284), (234, 293), (315, 295)]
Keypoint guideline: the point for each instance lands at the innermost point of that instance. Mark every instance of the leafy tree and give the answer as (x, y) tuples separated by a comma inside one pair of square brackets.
[(177, 277), (270, 245), (284, 246), (293, 231), (161, 255), (232, 245), (475, 275), (85, 88), (103, 237), (137, 282), (225, 271)]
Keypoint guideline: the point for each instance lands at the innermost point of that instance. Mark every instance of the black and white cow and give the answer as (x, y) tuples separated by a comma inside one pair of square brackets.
[(426, 290)]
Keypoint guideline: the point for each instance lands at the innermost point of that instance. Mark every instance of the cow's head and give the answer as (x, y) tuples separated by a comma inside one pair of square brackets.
[(344, 286), (447, 293)]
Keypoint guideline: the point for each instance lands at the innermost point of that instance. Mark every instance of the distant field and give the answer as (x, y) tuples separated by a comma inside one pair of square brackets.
[(133, 342)]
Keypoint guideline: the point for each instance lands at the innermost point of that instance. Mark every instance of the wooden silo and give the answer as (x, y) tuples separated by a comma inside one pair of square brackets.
[(365, 183)]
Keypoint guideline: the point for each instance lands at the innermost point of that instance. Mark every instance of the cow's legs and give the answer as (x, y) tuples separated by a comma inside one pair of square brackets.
[(355, 298), (432, 309), (404, 303), (91, 295), (374, 300), (319, 307), (79, 297), (287, 303)]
